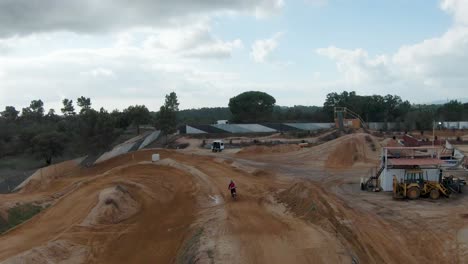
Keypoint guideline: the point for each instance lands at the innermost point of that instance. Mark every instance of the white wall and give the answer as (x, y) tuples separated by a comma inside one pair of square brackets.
[(116, 151), (256, 128), (456, 124), (311, 126), (232, 128), (150, 138), (381, 125), (192, 130)]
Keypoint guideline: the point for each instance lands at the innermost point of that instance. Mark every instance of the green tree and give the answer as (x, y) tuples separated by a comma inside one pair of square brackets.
[(104, 130), (138, 115), (68, 108), (451, 111), (374, 108), (166, 119), (51, 116), (203, 115), (8, 132), (10, 113), (252, 106), (48, 145), (420, 119), (84, 103), (37, 107), (122, 120), (97, 131), (34, 111), (172, 102)]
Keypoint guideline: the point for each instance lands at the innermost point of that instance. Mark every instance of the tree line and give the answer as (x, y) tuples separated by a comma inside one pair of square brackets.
[(391, 108), (86, 130), (259, 107), (76, 133)]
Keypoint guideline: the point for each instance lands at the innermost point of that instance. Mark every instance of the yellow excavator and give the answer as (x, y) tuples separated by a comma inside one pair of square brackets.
[(413, 186)]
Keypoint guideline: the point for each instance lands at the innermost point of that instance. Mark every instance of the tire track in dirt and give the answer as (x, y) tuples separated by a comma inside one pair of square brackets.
[(257, 229)]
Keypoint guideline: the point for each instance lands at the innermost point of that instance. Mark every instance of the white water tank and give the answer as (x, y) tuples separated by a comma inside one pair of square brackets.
[(222, 122), (155, 157)]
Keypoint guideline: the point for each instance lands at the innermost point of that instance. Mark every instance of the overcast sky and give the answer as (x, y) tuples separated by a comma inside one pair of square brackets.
[(122, 52)]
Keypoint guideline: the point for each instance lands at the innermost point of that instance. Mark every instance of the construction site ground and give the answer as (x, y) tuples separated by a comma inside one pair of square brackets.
[(295, 205)]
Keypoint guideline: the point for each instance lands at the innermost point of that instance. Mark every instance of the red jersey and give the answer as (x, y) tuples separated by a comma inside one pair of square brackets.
[(232, 185)]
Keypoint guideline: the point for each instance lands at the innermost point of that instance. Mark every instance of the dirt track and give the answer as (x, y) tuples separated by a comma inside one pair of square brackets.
[(294, 207)]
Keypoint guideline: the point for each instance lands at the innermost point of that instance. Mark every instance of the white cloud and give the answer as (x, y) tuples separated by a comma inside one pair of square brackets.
[(9, 44), (99, 73), (317, 3), (114, 77), (356, 65), (458, 8), (266, 8), (435, 66), (124, 39), (444, 58), (217, 49), (192, 41), (262, 49)]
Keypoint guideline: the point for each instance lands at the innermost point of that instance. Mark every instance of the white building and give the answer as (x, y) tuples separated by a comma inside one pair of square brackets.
[(397, 160)]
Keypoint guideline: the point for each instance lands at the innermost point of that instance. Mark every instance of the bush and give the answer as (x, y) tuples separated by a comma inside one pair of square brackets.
[(18, 215)]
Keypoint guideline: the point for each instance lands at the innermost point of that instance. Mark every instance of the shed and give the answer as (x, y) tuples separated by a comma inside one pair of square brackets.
[(397, 160)]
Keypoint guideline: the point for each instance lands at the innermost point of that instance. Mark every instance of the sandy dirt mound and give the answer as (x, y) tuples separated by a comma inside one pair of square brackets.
[(390, 142), (360, 149), (312, 203), (282, 148), (355, 149), (308, 202), (60, 251), (42, 178), (115, 205), (157, 225), (191, 143), (346, 155)]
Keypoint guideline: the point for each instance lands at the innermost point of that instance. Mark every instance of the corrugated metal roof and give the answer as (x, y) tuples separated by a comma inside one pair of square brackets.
[(409, 148), (415, 162)]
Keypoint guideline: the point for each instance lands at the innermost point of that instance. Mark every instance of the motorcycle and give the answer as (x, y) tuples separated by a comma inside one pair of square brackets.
[(234, 194)]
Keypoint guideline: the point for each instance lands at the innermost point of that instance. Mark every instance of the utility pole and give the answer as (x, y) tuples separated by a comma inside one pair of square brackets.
[(433, 133)]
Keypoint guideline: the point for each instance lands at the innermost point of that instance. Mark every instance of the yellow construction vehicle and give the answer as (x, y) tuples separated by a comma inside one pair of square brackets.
[(413, 186)]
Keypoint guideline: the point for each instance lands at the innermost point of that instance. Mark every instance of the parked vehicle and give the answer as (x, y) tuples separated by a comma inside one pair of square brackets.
[(217, 146)]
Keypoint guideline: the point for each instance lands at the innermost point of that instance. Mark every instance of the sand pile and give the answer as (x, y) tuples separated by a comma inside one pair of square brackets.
[(354, 149), (304, 201), (60, 251), (115, 204), (282, 148), (312, 203), (191, 143)]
